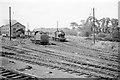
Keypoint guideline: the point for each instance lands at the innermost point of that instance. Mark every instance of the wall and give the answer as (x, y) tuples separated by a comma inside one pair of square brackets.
[(6, 29), (16, 27)]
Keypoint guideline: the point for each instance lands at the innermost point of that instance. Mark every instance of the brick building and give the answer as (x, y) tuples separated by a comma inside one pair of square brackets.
[(5, 29)]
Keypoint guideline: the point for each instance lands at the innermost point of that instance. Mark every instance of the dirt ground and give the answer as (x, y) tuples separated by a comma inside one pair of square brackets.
[(37, 71), (107, 45), (44, 72)]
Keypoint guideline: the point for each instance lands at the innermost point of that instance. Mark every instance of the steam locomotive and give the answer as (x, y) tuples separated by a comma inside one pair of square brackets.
[(59, 36)]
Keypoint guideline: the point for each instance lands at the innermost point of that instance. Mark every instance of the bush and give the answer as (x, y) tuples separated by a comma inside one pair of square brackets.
[(102, 35), (116, 34), (108, 37), (86, 33), (71, 32)]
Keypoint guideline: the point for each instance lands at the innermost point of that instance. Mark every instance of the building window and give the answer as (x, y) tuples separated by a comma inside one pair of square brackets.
[(17, 25), (14, 29)]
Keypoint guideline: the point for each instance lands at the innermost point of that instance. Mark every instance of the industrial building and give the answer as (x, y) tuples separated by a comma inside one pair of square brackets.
[(15, 29)]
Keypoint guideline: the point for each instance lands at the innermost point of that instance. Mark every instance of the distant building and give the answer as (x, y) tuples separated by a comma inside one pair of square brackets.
[(29, 33), (15, 29)]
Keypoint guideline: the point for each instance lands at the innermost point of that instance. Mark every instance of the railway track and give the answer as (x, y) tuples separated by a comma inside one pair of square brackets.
[(74, 44), (58, 56), (75, 58), (54, 65), (81, 50), (84, 51), (69, 64), (15, 75), (105, 52)]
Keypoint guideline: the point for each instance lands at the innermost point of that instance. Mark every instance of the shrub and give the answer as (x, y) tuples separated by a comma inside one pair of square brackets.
[(108, 38), (86, 34), (102, 35), (71, 32), (116, 34)]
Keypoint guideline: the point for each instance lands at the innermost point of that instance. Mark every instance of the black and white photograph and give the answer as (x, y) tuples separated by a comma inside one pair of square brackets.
[(59, 39)]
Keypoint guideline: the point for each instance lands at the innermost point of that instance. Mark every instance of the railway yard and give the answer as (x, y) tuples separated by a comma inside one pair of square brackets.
[(77, 58)]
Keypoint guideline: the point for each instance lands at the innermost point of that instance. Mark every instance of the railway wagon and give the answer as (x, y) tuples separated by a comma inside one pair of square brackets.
[(59, 36), (40, 38)]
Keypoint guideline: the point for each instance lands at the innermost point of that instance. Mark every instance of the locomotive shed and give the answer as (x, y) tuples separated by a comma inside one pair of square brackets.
[(62, 60)]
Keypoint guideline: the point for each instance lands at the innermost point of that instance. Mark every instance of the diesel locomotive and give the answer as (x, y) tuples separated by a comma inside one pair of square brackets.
[(40, 38)]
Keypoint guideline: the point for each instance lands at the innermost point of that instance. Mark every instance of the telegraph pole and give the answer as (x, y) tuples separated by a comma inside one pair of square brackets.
[(57, 25), (94, 23), (28, 28), (10, 21)]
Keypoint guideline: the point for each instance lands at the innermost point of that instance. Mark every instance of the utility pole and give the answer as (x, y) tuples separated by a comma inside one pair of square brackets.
[(28, 28), (94, 23), (57, 25), (10, 21)]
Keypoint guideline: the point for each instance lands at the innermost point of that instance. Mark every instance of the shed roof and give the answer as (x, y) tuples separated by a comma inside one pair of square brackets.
[(12, 24)]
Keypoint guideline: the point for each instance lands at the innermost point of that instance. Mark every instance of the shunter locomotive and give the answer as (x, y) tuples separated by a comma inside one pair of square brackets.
[(59, 36), (40, 38)]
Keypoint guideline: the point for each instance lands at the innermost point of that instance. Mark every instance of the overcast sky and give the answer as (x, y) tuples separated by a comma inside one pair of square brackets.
[(45, 13)]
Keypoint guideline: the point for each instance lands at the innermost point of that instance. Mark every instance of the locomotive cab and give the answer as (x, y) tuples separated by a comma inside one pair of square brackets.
[(40, 38), (59, 36)]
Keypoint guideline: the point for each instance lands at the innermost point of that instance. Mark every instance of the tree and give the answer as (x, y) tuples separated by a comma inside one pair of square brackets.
[(114, 22), (116, 34), (82, 22), (73, 25), (89, 20), (87, 28), (104, 24), (107, 21)]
